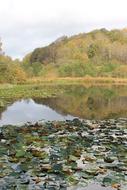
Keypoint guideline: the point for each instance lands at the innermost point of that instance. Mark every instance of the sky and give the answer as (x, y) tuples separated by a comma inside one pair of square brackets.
[(28, 24)]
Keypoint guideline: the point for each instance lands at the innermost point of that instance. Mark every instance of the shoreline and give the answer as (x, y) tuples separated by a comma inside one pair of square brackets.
[(79, 80), (71, 80)]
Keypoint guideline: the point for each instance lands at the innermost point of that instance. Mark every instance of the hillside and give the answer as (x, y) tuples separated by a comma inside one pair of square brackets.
[(100, 53), (97, 53)]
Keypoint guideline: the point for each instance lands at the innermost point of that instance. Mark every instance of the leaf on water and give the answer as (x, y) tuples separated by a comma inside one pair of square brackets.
[(20, 153)]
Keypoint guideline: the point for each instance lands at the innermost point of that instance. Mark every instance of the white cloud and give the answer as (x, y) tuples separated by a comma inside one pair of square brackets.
[(27, 24)]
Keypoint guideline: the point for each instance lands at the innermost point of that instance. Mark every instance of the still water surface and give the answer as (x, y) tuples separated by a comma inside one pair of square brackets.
[(76, 101), (29, 111)]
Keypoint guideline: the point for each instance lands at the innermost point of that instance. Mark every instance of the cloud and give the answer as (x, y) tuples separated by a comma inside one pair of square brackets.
[(27, 24)]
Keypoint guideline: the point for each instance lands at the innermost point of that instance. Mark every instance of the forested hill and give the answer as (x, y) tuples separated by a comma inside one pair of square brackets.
[(100, 53), (97, 45), (97, 53)]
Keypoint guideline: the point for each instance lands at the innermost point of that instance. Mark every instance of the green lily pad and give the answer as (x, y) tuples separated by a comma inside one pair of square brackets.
[(20, 153)]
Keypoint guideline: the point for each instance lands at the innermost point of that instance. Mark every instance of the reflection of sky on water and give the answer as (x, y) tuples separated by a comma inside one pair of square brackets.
[(28, 111)]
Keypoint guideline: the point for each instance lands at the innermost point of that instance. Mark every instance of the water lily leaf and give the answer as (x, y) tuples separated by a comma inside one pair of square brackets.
[(72, 180), (57, 168), (73, 158), (20, 153), (107, 181)]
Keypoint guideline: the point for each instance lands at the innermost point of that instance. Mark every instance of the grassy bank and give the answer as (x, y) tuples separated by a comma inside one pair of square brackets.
[(9, 92), (88, 80), (49, 87), (39, 87), (28, 90), (78, 80)]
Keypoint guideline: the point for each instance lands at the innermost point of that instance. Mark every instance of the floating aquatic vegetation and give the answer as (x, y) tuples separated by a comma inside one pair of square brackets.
[(56, 155)]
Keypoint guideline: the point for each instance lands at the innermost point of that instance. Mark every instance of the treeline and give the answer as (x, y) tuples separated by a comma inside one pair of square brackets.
[(100, 53), (97, 45), (97, 53), (11, 71)]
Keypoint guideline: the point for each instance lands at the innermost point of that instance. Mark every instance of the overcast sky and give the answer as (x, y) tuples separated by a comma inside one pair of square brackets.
[(27, 24)]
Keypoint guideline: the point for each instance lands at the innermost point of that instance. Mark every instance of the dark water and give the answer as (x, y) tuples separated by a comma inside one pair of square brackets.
[(76, 101)]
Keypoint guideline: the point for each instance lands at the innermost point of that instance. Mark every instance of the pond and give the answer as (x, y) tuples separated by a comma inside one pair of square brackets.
[(76, 101), (70, 152), (29, 111)]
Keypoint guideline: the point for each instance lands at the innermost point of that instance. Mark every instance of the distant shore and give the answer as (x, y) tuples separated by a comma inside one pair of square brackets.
[(71, 80), (79, 80)]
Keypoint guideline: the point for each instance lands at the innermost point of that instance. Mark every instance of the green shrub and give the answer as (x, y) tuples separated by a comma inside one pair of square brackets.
[(33, 69), (11, 73), (77, 69), (108, 67)]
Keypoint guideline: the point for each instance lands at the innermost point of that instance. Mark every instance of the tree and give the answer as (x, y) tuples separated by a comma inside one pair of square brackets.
[(93, 50)]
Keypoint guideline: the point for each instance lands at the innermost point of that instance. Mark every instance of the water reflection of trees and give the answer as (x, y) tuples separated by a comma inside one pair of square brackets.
[(90, 103), (94, 102)]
